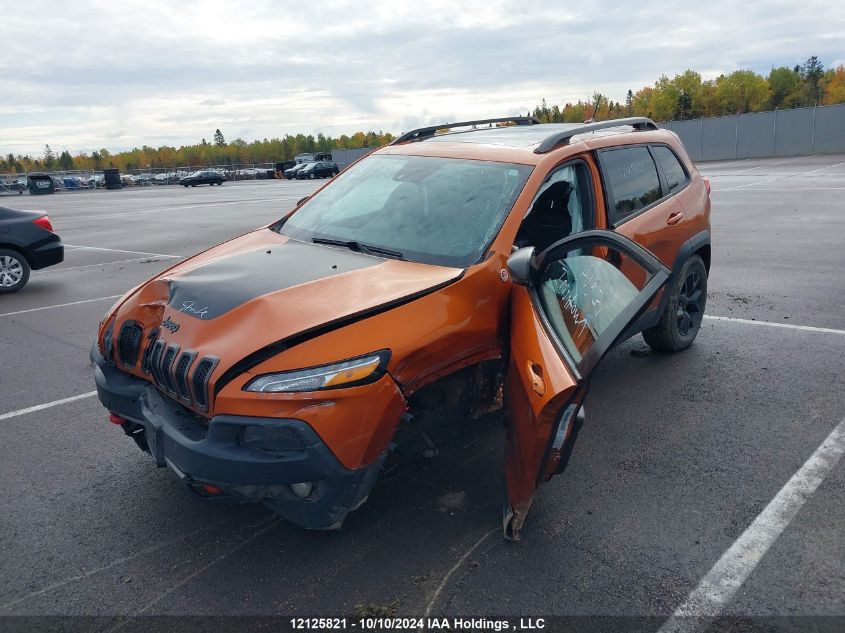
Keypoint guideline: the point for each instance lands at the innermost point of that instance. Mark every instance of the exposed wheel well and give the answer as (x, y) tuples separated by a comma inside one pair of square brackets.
[(476, 388)]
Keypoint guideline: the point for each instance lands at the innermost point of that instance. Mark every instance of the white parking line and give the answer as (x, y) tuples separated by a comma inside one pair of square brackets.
[(749, 184), (119, 261), (454, 568), (788, 326), (46, 405), (739, 163), (176, 209), (60, 305), (117, 250), (784, 189), (781, 177), (720, 584), (813, 171)]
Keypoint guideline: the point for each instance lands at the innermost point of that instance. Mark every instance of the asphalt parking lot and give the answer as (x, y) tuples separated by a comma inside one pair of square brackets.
[(679, 456)]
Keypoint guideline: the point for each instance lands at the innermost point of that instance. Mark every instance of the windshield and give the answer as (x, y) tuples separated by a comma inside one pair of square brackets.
[(443, 211), (197, 173)]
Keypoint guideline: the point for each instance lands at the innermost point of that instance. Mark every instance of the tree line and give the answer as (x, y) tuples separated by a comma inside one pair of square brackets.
[(217, 152), (686, 96)]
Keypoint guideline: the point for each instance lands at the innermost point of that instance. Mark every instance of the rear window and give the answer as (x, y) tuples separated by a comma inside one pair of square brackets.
[(674, 173), (631, 178)]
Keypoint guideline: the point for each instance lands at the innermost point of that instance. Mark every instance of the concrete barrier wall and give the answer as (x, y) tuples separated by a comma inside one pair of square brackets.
[(803, 131)]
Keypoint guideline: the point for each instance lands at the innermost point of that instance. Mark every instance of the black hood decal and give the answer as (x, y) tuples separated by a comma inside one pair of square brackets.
[(215, 288)]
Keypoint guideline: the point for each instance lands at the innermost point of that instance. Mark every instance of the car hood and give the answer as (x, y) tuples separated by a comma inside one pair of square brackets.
[(263, 287)]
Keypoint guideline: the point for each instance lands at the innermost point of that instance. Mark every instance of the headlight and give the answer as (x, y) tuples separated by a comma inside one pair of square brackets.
[(349, 373), (108, 335)]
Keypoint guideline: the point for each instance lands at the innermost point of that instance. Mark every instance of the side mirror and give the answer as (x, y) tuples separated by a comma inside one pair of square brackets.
[(520, 264), (301, 200)]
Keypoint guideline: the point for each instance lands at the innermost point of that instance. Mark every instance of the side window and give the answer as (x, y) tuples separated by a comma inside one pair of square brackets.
[(630, 176), (581, 293), (563, 206), (673, 171)]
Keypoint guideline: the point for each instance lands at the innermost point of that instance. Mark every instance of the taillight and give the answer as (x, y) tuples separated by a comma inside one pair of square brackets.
[(44, 223), (707, 185)]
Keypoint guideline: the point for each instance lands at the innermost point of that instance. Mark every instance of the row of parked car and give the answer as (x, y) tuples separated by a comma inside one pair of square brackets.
[(211, 176), (318, 169)]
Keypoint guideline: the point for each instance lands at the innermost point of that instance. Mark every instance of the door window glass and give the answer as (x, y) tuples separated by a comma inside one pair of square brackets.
[(581, 293), (631, 177), (563, 206), (674, 173)]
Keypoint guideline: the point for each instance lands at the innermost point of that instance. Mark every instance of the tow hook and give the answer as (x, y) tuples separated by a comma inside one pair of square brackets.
[(132, 429)]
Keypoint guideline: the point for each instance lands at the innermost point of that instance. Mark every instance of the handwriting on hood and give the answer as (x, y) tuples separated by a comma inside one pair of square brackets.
[(191, 307)]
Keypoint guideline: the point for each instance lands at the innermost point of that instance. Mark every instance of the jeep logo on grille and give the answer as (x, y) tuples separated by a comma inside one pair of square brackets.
[(170, 324)]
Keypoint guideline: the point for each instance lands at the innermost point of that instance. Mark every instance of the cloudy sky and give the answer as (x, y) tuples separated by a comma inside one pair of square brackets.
[(89, 74)]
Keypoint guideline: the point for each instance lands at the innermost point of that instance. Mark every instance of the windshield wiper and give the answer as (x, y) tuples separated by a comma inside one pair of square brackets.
[(359, 247)]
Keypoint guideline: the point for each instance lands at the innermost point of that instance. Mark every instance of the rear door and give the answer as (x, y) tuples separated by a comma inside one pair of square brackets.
[(568, 308), (639, 200)]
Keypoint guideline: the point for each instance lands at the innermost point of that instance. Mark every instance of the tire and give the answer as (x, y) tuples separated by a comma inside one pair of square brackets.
[(219, 183), (14, 271), (681, 319), (193, 184)]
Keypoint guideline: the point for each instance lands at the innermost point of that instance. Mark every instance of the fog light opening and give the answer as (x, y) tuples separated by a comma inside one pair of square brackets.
[(302, 490)]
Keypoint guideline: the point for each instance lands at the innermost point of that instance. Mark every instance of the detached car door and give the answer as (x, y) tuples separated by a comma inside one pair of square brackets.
[(570, 304)]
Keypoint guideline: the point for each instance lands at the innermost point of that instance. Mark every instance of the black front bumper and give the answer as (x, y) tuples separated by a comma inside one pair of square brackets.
[(209, 456)]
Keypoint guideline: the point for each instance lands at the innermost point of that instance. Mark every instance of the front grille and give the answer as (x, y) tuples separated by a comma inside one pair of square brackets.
[(180, 375), (177, 373), (155, 361), (200, 381), (166, 365), (146, 365), (128, 343)]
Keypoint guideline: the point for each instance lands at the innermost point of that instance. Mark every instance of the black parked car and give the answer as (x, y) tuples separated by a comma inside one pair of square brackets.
[(318, 170), (290, 174), (202, 177), (27, 242)]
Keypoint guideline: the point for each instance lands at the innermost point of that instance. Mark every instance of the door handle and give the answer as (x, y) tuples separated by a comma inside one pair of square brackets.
[(535, 375), (675, 217)]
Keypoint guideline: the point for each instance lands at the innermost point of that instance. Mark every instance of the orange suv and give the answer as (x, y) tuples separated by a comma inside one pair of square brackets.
[(479, 263)]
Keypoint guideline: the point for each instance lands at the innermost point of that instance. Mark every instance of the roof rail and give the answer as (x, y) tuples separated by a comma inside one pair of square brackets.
[(562, 138), (424, 132)]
